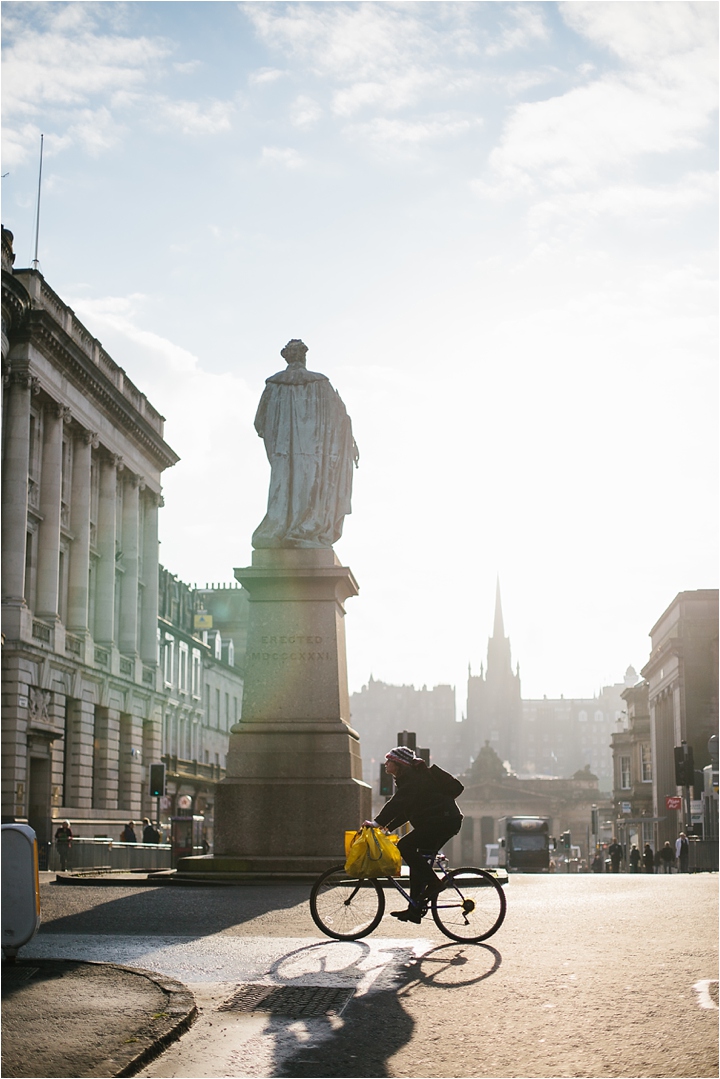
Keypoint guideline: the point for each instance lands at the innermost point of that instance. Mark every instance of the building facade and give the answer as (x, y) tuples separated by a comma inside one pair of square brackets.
[(83, 454), (379, 712), (633, 772), (494, 703), (548, 737), (682, 677), (204, 700)]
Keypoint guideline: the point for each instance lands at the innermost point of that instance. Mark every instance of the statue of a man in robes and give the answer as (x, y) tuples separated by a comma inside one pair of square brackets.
[(309, 442)]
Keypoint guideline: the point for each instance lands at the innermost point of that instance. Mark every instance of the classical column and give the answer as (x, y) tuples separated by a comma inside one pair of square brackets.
[(79, 738), (106, 750), (106, 530), (15, 486), (48, 571), (128, 643), (77, 617), (148, 629)]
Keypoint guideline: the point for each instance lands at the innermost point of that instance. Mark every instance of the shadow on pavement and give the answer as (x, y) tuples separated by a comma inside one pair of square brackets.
[(193, 912), (376, 1025)]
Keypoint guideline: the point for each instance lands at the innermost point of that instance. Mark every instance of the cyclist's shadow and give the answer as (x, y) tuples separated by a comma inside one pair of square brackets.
[(375, 1025)]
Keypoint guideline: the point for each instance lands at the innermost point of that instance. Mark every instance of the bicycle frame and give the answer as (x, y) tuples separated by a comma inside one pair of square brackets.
[(432, 858)]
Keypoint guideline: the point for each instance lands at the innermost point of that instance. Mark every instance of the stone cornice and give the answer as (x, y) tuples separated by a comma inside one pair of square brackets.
[(15, 298), (44, 333)]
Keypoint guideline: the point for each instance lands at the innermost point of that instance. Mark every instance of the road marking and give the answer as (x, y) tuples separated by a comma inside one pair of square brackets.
[(702, 989), (359, 965)]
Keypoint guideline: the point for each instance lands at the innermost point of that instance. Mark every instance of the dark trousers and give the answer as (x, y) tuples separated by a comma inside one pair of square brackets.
[(426, 837)]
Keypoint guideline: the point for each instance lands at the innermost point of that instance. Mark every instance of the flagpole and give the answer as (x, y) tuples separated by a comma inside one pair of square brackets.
[(37, 216)]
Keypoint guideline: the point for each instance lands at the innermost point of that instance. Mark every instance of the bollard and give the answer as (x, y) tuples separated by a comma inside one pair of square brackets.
[(20, 888)]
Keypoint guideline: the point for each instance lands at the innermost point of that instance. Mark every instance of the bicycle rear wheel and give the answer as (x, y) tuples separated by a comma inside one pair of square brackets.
[(346, 907), (471, 905)]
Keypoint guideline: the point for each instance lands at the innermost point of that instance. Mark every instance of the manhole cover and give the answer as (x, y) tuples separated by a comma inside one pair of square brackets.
[(298, 1001), (13, 976)]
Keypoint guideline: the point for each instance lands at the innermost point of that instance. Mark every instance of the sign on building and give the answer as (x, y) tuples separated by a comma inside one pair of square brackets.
[(203, 621), (673, 801), (625, 807)]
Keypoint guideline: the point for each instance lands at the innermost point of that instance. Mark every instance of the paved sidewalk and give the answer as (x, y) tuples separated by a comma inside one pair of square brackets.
[(67, 1018)]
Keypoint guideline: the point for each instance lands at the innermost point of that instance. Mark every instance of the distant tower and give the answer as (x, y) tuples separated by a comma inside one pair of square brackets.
[(494, 703)]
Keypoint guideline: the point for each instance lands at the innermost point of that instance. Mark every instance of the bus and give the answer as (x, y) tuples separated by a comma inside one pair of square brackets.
[(525, 844)]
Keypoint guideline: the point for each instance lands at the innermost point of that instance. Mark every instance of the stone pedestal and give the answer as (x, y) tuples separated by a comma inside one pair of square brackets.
[(294, 771)]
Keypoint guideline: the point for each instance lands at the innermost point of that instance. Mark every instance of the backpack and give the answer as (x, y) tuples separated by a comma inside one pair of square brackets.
[(445, 783)]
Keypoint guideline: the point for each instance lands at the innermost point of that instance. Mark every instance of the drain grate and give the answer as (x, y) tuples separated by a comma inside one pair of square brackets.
[(298, 1001)]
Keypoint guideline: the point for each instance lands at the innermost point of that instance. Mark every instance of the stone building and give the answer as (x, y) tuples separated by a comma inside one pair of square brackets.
[(83, 455), (204, 698), (540, 737), (633, 771), (227, 606), (494, 705), (682, 677), (492, 793), (379, 712)]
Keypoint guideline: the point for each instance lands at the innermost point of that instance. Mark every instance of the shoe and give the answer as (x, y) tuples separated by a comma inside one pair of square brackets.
[(412, 914)]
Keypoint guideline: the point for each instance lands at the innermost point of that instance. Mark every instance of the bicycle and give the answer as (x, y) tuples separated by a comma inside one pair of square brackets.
[(469, 906)]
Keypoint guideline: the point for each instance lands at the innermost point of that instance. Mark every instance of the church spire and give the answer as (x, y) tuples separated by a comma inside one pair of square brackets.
[(498, 627)]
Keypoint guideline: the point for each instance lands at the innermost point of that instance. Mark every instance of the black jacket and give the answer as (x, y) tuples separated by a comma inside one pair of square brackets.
[(422, 797)]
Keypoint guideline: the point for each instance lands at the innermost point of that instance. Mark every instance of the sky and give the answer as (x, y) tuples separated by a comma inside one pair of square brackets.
[(493, 224)]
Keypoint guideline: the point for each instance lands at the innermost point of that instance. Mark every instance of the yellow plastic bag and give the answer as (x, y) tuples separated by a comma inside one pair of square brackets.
[(373, 854)]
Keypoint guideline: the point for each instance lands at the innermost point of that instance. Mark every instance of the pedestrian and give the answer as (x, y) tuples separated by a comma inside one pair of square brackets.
[(666, 857), (424, 797), (634, 859), (63, 842), (616, 852), (597, 863), (648, 859), (150, 833), (128, 833), (682, 852)]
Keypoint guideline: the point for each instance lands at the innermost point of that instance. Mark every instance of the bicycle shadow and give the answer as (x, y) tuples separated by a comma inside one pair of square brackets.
[(376, 1024)]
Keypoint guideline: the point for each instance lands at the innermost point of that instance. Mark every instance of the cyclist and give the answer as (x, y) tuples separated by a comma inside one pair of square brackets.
[(424, 797)]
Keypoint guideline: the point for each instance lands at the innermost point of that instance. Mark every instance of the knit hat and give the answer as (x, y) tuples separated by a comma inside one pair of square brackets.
[(403, 755)]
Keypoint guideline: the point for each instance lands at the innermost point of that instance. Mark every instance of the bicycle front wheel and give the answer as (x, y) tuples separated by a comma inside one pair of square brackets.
[(346, 907), (471, 905)]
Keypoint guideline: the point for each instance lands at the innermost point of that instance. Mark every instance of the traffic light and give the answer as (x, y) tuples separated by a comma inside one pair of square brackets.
[(157, 780), (594, 821), (424, 754), (407, 738), (565, 840), (386, 783), (684, 765)]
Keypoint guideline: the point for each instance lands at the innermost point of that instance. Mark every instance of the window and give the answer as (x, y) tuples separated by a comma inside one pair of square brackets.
[(625, 783), (598, 717), (582, 717), (169, 659), (196, 673), (646, 761), (227, 711), (217, 708), (183, 667)]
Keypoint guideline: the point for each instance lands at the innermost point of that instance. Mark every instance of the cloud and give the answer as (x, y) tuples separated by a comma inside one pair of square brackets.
[(650, 30), (89, 85), (660, 101), (406, 134), (371, 55), (265, 75), (305, 111), (526, 26), (625, 201), (287, 157), (192, 118)]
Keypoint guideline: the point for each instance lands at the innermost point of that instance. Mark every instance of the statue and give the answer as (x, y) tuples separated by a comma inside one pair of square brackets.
[(309, 442)]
